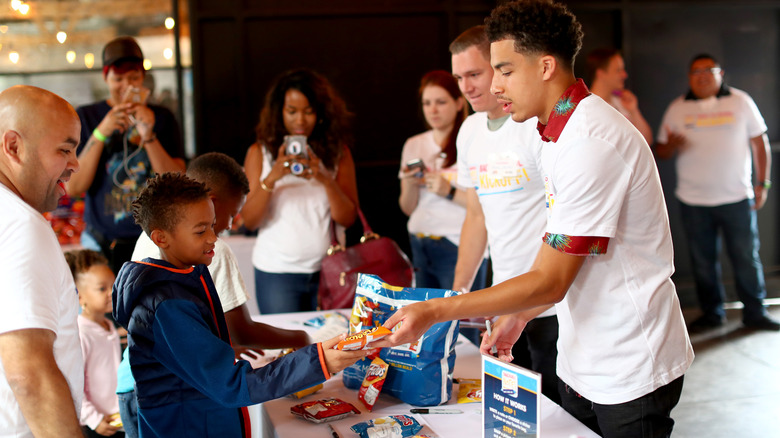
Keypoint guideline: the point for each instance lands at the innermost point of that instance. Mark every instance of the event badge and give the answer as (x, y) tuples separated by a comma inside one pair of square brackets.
[(503, 165), (511, 400)]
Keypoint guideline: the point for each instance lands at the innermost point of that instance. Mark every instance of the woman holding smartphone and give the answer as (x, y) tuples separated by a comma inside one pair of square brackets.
[(429, 193), (301, 175)]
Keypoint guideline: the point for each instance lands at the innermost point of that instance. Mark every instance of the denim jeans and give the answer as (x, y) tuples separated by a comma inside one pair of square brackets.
[(128, 411), (284, 293), (434, 263), (648, 416), (739, 226)]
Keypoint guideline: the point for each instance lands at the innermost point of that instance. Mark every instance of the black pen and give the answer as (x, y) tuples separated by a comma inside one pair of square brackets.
[(435, 411), (333, 432)]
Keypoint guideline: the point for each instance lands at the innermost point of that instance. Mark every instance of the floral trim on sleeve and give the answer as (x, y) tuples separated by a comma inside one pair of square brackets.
[(577, 245)]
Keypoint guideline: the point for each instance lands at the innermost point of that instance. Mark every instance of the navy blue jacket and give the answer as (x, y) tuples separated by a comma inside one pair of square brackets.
[(187, 381)]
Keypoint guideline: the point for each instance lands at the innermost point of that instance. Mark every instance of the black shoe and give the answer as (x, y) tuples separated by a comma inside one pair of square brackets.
[(706, 322), (763, 323)]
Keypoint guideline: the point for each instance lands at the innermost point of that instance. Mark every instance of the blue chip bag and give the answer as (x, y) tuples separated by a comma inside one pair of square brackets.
[(421, 372), (394, 426)]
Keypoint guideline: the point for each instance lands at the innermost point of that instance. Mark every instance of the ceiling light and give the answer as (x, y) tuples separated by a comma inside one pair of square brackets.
[(169, 23), (15, 4), (168, 53), (70, 56), (89, 60), (24, 8), (61, 36), (14, 57), (147, 64)]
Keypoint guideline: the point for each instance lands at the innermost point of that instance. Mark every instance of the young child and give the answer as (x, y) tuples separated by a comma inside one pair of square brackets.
[(99, 342), (187, 383)]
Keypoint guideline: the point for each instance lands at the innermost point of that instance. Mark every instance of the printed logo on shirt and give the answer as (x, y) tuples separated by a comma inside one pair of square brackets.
[(127, 175), (709, 120), (549, 196), (499, 176)]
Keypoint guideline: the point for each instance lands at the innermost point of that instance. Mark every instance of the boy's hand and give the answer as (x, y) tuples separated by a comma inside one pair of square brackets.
[(337, 360), (105, 428)]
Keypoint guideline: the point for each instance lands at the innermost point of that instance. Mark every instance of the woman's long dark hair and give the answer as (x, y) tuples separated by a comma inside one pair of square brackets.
[(444, 79), (331, 131)]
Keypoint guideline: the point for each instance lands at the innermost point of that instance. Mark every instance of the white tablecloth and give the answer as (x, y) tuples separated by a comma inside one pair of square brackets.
[(278, 422)]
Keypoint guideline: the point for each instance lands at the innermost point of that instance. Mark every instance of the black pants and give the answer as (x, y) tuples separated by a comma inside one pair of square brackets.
[(117, 251), (648, 416), (537, 350)]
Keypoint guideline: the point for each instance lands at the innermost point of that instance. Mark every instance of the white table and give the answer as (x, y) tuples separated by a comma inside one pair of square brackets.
[(278, 422)]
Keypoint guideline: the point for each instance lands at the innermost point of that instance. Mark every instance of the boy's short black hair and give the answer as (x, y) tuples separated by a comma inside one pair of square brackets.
[(701, 56), (221, 173), (538, 27), (158, 205)]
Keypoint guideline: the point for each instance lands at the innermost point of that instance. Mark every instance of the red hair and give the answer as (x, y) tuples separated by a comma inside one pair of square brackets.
[(444, 79)]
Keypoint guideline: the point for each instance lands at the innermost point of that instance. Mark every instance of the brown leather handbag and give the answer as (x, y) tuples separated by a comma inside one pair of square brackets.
[(376, 255)]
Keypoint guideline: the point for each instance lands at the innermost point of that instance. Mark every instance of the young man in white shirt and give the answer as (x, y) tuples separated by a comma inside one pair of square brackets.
[(709, 130), (499, 164), (42, 369), (607, 71), (606, 262)]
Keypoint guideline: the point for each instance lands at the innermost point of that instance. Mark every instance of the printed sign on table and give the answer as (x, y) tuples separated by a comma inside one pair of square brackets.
[(510, 397)]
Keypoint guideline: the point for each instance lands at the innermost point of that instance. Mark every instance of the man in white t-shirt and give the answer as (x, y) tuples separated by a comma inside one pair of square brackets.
[(713, 130), (42, 369), (499, 164), (606, 261), (607, 72)]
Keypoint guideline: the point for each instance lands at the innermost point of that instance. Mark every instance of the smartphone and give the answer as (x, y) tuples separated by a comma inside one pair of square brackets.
[(416, 164), (135, 95), (296, 146)]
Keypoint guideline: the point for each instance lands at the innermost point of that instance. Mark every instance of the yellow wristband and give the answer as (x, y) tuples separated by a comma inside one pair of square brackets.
[(99, 135)]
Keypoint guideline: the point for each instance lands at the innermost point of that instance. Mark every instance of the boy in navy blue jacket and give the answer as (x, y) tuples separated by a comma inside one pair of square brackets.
[(186, 380)]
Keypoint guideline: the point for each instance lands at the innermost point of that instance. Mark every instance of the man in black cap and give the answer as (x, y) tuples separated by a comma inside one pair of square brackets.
[(123, 142)]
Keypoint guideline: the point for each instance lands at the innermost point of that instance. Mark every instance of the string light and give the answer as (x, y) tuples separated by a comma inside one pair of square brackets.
[(89, 60), (14, 57), (24, 8), (61, 37), (169, 23), (168, 53), (70, 56), (15, 4), (3, 28), (147, 64)]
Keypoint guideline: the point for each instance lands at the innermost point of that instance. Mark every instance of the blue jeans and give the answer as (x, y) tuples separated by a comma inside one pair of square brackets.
[(128, 411), (284, 293), (648, 416), (434, 263), (739, 226)]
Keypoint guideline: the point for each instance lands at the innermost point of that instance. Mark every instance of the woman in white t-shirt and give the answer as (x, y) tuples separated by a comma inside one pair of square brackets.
[(429, 193), (297, 187)]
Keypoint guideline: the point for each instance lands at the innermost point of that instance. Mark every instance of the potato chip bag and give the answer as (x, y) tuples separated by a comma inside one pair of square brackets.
[(320, 411), (360, 340), (469, 390), (394, 426), (372, 383)]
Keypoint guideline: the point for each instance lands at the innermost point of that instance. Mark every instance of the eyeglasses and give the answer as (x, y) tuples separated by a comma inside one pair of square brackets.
[(705, 71)]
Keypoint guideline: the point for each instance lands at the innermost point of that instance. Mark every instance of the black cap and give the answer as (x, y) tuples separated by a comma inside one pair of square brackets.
[(121, 49)]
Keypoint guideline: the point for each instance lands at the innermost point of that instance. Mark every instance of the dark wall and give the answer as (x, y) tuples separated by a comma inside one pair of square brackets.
[(375, 52)]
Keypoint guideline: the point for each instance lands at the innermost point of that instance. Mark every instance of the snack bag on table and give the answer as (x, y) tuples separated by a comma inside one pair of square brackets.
[(420, 373)]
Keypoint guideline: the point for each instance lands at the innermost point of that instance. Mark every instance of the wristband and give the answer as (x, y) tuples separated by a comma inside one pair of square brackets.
[(99, 135), (265, 187), (767, 184), (451, 194), (149, 140)]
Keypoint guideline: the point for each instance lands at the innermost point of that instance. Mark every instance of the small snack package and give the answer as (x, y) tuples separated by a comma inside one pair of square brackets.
[(115, 420), (372, 383), (469, 390), (320, 411), (359, 340), (304, 392), (394, 426)]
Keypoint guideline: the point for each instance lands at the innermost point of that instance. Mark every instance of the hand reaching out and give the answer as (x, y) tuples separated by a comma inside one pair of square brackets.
[(506, 331), (337, 360)]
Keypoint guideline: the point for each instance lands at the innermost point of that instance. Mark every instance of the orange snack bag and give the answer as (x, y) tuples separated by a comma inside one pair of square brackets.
[(359, 340)]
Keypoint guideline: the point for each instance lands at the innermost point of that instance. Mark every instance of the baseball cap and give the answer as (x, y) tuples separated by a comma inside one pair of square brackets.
[(123, 48)]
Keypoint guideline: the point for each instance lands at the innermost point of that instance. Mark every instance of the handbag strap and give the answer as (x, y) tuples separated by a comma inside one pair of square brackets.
[(368, 233)]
